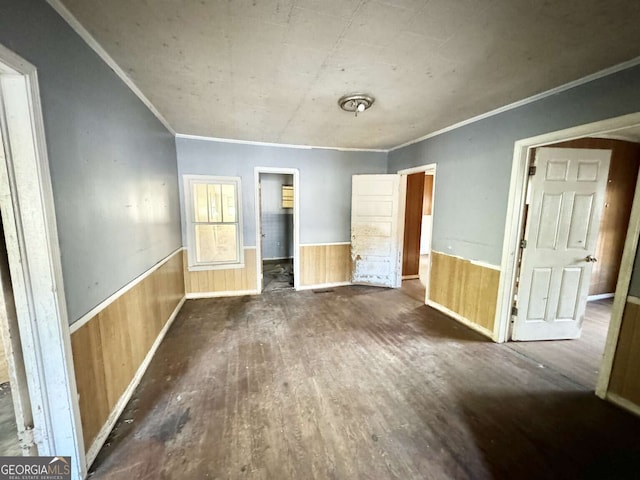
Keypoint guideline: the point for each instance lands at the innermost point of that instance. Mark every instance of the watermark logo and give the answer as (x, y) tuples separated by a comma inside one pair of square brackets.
[(35, 468)]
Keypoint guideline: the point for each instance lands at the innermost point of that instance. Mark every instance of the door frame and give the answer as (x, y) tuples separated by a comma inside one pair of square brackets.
[(26, 197), (427, 168), (296, 222), (514, 218)]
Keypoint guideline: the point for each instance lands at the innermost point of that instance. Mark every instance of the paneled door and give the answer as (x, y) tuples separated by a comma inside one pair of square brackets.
[(566, 197), (376, 237)]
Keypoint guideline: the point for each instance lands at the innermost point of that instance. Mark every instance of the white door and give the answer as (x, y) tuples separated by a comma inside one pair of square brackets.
[(376, 239), (566, 199)]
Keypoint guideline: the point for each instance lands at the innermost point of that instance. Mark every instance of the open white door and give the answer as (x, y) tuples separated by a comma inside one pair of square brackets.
[(566, 198), (376, 236)]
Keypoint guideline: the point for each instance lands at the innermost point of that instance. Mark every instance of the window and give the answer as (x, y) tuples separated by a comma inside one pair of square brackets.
[(214, 222)]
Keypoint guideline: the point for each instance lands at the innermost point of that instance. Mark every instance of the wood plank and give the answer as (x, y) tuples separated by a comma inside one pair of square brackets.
[(322, 264), (625, 381), (466, 288), (86, 346), (413, 224), (222, 280), (360, 383), (109, 348)]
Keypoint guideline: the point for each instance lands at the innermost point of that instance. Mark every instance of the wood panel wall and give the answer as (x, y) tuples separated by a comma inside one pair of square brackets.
[(466, 288), (324, 264), (215, 281), (427, 199), (623, 172), (413, 224), (109, 349), (625, 381)]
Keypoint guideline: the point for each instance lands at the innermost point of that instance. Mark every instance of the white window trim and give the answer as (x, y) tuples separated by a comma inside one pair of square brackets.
[(190, 224)]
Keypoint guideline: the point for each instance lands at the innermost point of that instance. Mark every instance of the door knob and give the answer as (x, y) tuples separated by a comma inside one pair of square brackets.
[(590, 259)]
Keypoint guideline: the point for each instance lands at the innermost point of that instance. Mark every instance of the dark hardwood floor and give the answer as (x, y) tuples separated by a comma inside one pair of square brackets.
[(578, 360), (356, 383)]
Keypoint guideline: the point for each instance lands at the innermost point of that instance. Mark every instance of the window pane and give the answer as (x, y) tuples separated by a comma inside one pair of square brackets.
[(215, 203), (200, 209), (216, 243), (229, 203)]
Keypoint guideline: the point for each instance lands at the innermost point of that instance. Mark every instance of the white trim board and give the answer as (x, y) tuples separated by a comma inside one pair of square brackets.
[(623, 403), (525, 101), (104, 432), (600, 296), (634, 300), (459, 318), (328, 244), (427, 169), (280, 145), (112, 298), (227, 293), (324, 285), (102, 53)]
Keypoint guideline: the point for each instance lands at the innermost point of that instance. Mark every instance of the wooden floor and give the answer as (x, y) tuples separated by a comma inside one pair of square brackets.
[(578, 360), (358, 383)]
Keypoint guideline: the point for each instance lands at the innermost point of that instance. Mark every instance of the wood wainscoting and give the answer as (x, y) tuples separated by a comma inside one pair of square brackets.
[(466, 290), (112, 348), (224, 282), (325, 264), (624, 383)]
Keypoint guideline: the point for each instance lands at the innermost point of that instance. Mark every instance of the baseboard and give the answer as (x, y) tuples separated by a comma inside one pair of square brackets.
[(410, 277), (600, 296), (324, 285), (275, 259), (465, 321), (104, 432), (229, 293), (623, 403)]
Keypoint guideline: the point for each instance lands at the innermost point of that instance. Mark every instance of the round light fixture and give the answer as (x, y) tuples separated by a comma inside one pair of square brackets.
[(356, 103)]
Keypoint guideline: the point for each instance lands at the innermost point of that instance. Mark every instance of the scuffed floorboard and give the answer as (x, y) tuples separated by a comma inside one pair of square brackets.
[(360, 383)]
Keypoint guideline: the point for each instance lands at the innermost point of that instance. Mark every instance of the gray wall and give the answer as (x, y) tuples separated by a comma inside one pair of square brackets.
[(113, 164), (325, 181), (474, 161), (277, 222)]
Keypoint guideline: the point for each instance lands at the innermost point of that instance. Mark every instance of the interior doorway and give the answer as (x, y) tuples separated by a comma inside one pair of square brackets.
[(276, 228), (418, 228), (42, 377), (276, 213), (587, 359), (580, 358)]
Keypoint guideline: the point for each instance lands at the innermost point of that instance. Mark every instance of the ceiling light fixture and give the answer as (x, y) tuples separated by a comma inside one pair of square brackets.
[(356, 103)]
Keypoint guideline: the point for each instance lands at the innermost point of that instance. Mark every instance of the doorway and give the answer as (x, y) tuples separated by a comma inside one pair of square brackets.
[(418, 228), (33, 259), (579, 359), (276, 228), (613, 252)]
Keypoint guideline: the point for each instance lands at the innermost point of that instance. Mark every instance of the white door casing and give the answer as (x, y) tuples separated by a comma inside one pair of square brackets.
[(566, 200), (376, 236)]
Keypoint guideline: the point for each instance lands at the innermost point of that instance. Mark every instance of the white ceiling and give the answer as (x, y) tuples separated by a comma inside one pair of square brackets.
[(273, 70)]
